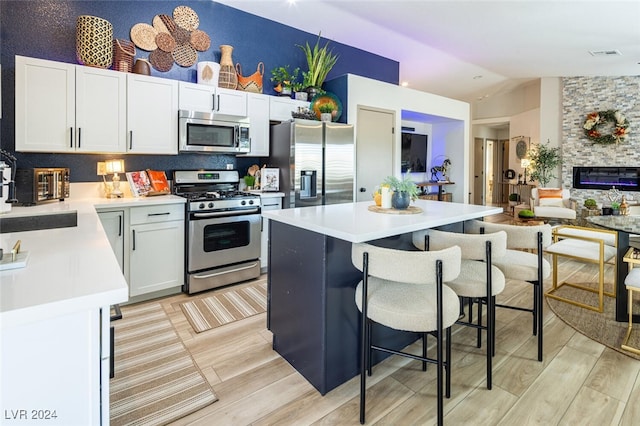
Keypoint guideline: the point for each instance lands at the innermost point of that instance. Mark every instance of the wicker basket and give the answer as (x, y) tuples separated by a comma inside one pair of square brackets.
[(252, 83), (94, 41), (123, 53)]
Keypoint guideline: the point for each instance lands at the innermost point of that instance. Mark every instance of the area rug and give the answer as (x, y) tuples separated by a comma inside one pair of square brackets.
[(222, 308), (156, 379), (601, 327)]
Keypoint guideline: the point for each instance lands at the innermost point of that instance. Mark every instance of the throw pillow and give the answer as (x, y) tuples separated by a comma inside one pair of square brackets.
[(550, 197)]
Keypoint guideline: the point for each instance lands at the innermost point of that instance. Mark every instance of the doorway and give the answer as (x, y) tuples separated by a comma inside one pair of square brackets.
[(374, 149)]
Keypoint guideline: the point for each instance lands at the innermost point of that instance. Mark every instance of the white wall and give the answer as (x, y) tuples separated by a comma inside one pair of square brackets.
[(454, 116)]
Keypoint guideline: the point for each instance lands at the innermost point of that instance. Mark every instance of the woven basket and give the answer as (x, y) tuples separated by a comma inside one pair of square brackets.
[(252, 83), (94, 41), (123, 53)]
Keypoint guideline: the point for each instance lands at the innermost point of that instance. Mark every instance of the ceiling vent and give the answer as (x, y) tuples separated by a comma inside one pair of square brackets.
[(605, 53)]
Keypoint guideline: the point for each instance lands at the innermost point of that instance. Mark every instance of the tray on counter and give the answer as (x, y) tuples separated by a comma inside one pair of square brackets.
[(408, 210), (21, 261)]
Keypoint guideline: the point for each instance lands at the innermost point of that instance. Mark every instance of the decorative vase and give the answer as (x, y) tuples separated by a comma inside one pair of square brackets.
[(400, 200), (325, 116), (301, 96), (141, 67), (208, 73), (228, 78), (311, 92), (94, 41)]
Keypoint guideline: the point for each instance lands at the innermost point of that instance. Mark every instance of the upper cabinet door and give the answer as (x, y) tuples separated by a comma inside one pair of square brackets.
[(281, 107), (69, 108), (258, 110), (196, 97), (45, 106), (101, 105), (231, 102), (152, 115)]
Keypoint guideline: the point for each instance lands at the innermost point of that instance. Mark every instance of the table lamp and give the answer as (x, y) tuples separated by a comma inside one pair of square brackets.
[(111, 167), (525, 163)]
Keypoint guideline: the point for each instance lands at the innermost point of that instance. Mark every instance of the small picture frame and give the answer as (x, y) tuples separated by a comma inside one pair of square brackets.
[(270, 179)]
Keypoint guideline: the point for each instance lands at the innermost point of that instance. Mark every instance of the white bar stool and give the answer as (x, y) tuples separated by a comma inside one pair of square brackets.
[(632, 282)]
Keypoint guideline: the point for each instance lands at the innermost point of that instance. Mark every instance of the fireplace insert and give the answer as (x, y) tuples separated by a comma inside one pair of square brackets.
[(623, 178)]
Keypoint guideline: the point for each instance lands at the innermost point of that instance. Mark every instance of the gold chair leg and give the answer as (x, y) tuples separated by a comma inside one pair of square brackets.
[(625, 342)]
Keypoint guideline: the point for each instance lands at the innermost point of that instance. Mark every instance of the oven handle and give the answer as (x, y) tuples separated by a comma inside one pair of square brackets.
[(201, 277), (225, 213)]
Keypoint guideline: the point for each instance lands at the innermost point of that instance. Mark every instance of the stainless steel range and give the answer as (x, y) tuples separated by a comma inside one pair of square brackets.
[(222, 226)]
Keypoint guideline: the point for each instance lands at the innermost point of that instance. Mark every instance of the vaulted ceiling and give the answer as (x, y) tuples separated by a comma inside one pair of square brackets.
[(472, 50)]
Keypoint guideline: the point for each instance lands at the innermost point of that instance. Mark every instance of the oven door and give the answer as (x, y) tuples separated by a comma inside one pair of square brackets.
[(216, 241)]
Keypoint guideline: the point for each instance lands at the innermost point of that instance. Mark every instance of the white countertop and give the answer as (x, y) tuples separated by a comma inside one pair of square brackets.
[(69, 269), (353, 222)]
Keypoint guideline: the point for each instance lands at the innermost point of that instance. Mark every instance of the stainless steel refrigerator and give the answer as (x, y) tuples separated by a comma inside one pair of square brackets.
[(316, 161)]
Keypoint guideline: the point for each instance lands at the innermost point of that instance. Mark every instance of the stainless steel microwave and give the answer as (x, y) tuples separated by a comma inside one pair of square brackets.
[(209, 132), (39, 185)]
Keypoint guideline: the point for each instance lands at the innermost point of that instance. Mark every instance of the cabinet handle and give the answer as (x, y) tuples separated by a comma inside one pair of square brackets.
[(70, 137), (213, 97), (130, 139), (119, 226), (79, 136), (159, 214), (218, 103), (133, 239)]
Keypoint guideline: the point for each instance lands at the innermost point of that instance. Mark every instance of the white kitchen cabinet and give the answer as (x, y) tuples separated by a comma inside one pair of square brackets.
[(114, 226), (205, 98), (258, 110), (267, 203), (152, 115), (281, 107), (69, 108), (156, 248), (53, 371)]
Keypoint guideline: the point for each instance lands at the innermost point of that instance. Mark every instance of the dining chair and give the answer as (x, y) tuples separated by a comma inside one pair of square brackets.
[(523, 261), (405, 290), (479, 281)]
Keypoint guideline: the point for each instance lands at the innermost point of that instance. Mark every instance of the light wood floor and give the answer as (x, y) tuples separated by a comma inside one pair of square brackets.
[(580, 381)]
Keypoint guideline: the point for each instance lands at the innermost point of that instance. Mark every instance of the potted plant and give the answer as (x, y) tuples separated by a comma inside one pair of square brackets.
[(514, 199), (299, 94), (544, 160), (590, 204), (404, 191), (284, 80), (320, 60), (326, 112), (615, 208)]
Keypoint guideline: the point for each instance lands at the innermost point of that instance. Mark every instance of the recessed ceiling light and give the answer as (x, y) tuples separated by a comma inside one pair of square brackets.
[(613, 52)]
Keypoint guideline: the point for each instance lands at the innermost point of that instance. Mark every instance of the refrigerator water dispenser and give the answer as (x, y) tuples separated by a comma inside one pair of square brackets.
[(308, 184)]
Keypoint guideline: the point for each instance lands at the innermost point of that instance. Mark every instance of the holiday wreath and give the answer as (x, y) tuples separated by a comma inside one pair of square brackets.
[(596, 119)]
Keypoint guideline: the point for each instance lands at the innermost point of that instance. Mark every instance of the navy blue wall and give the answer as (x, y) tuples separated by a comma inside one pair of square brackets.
[(46, 29)]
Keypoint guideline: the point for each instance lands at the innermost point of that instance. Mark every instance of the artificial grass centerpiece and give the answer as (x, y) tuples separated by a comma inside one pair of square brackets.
[(526, 214)]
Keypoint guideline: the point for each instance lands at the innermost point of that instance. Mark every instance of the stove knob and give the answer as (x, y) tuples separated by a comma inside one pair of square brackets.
[(210, 205), (250, 202), (243, 202), (201, 206)]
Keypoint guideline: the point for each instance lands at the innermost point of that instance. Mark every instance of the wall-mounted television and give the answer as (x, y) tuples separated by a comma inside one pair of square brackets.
[(414, 152)]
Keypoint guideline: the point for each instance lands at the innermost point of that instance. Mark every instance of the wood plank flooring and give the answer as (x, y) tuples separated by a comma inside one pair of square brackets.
[(580, 381)]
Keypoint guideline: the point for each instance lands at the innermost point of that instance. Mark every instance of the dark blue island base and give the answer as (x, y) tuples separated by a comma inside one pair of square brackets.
[(311, 310)]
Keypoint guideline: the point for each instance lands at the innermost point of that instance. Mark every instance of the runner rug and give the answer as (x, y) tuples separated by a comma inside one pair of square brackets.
[(156, 379), (222, 308)]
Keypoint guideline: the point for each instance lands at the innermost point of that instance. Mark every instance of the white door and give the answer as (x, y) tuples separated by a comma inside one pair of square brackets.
[(478, 171), (374, 150)]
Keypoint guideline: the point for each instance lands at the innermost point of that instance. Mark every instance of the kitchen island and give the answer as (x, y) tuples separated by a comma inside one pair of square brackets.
[(311, 308)]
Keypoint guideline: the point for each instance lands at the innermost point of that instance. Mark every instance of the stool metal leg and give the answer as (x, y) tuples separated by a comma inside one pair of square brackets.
[(625, 342)]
